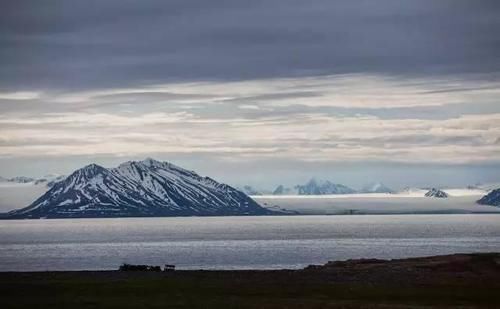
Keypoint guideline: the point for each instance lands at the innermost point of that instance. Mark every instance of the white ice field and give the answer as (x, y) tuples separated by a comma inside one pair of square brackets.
[(410, 202)]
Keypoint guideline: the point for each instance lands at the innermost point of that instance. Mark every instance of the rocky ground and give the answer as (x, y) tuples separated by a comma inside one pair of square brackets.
[(452, 281)]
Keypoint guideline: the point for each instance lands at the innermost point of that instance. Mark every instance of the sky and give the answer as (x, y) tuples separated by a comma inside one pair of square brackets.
[(255, 92)]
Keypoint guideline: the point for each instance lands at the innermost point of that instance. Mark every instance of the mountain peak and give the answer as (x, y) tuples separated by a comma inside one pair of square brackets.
[(151, 162), (139, 188), (433, 192), (92, 166), (92, 169), (87, 172)]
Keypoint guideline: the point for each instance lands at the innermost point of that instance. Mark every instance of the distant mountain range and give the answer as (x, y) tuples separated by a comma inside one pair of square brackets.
[(324, 187), (321, 187), (48, 180), (139, 188), (18, 179), (154, 188)]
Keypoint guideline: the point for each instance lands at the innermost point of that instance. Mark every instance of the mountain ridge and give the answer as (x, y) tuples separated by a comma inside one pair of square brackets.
[(139, 188), (314, 187)]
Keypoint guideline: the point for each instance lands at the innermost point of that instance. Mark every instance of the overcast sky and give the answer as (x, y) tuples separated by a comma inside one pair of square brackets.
[(257, 92)]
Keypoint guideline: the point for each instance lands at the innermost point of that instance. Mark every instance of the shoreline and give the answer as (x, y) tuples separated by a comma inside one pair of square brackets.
[(461, 259), (430, 261), (449, 281), (344, 213)]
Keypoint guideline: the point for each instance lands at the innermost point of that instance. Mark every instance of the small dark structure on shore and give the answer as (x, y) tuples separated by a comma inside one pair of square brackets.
[(132, 267)]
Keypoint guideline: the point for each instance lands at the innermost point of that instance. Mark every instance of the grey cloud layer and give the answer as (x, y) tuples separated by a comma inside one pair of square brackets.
[(328, 118), (303, 82), (99, 44)]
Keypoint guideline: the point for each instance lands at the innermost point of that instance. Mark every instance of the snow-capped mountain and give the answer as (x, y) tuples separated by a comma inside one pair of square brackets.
[(321, 187), (376, 188), (492, 198), (139, 188), (314, 187), (436, 193)]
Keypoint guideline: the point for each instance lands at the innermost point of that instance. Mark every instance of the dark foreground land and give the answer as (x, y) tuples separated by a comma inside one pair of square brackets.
[(453, 281)]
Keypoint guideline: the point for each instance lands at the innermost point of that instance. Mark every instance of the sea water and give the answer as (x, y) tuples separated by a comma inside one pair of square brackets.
[(266, 242)]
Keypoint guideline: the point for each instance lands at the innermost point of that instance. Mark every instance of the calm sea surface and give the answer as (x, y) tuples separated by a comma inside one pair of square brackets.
[(238, 242)]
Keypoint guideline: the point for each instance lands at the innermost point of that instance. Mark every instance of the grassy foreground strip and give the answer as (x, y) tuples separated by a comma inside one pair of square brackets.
[(454, 281)]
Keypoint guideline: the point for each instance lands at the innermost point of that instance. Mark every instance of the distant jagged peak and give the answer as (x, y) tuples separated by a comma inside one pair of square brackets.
[(320, 187), (280, 189), (434, 192)]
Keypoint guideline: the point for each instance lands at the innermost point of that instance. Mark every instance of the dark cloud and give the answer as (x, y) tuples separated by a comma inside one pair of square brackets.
[(96, 81), (89, 44)]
